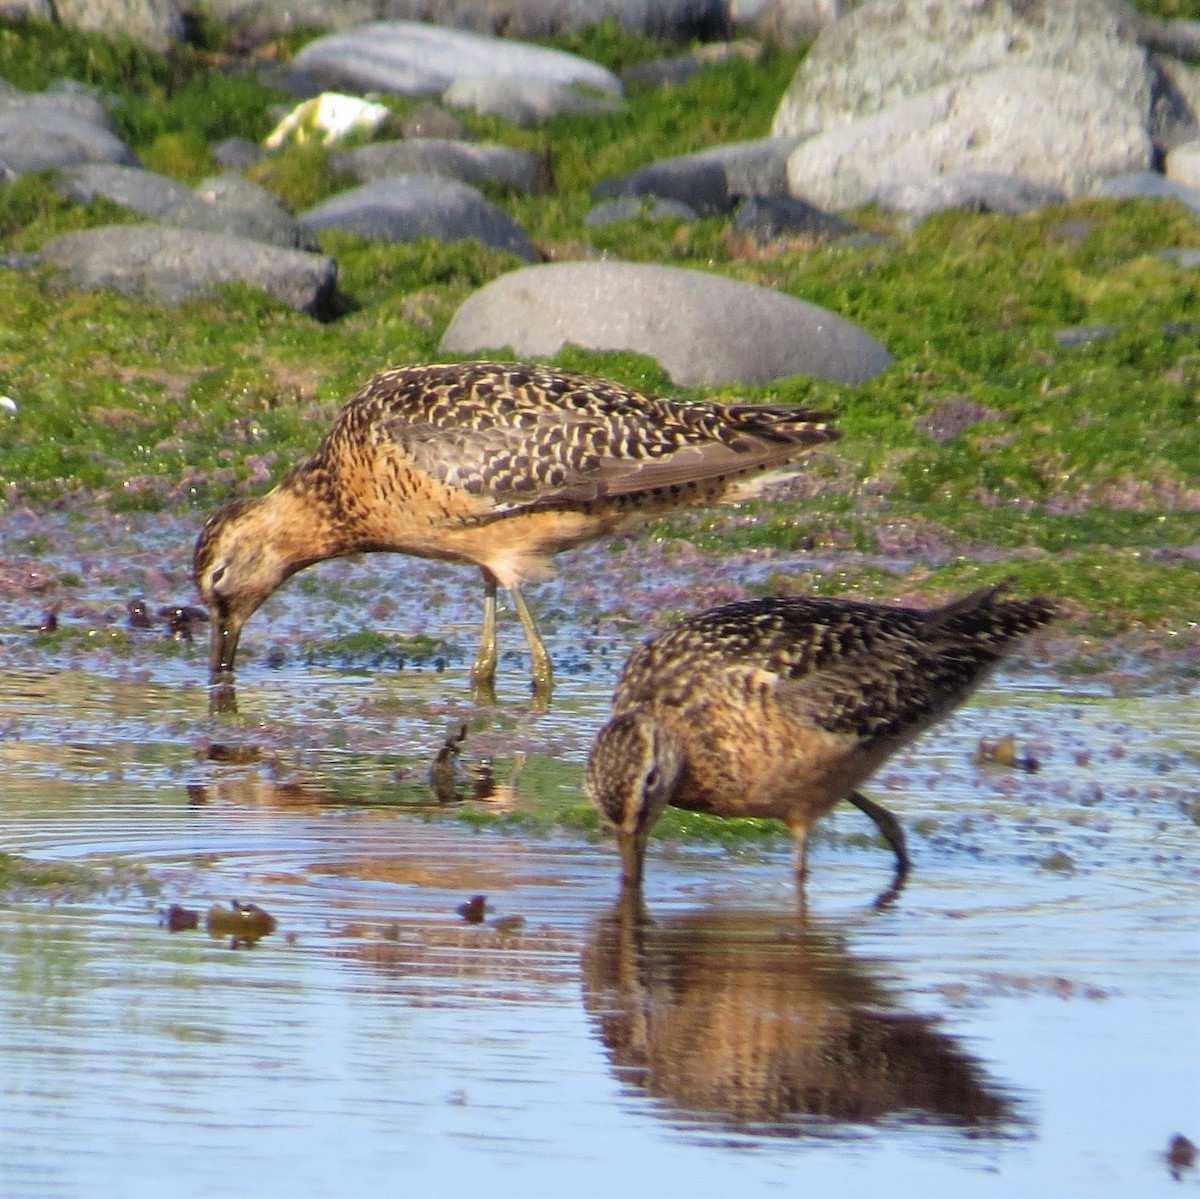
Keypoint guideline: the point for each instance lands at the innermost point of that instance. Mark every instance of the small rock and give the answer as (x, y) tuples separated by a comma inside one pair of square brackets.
[(765, 218), (700, 185), (432, 120), (408, 207), (524, 101), (634, 208)]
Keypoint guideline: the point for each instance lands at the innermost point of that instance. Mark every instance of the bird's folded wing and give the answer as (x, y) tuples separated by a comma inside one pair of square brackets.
[(564, 457)]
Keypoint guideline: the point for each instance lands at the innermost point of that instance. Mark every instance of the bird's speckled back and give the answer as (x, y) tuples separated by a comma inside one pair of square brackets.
[(525, 434)]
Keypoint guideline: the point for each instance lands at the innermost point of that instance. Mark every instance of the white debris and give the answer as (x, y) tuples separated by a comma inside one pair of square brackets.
[(330, 116), (8, 404)]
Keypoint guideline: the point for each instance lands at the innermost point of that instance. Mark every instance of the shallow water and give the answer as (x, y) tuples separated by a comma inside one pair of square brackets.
[(1022, 1021)]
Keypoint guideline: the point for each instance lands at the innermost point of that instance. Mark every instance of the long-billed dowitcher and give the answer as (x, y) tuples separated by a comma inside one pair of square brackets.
[(496, 464), (781, 707)]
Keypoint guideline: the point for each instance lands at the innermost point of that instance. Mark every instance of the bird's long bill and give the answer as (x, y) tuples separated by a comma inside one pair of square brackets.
[(633, 857), (223, 651)]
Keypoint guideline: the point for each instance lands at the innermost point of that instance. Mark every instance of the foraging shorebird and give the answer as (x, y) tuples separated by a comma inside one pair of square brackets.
[(496, 464), (782, 707)]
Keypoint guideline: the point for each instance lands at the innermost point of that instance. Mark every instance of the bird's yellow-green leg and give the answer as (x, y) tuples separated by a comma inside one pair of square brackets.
[(483, 672), (543, 673)]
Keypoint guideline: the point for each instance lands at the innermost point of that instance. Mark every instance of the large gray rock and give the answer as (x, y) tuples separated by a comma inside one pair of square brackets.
[(889, 50), (475, 163), (524, 101), (1049, 128), (172, 265), (409, 207), (413, 59), (39, 137), (704, 329)]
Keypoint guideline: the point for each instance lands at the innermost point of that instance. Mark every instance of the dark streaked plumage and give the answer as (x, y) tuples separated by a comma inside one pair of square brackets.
[(496, 464), (782, 707)]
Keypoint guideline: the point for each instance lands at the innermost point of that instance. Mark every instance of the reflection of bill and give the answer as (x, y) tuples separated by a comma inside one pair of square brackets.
[(750, 1020)]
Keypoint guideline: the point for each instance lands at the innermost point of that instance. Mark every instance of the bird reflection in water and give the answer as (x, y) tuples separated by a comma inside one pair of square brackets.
[(744, 1020)]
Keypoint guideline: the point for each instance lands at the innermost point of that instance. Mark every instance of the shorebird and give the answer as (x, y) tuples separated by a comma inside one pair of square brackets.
[(500, 465), (782, 707)]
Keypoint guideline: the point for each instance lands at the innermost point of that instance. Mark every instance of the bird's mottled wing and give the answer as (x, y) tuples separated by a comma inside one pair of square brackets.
[(524, 436)]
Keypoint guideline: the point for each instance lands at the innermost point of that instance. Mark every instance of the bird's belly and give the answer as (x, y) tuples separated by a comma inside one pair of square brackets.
[(801, 776)]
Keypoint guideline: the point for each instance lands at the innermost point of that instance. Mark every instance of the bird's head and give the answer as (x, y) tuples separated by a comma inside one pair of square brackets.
[(633, 770), (237, 565)]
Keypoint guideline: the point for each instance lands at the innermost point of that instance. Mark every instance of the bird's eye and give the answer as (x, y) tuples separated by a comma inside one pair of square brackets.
[(652, 777)]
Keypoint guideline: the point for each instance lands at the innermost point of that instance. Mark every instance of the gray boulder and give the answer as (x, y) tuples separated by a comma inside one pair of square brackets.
[(1049, 128), (890, 50), (475, 163), (704, 329), (524, 101), (39, 137), (409, 207), (172, 265), (414, 59)]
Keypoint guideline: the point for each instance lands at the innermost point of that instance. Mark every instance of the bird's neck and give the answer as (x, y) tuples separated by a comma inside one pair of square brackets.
[(300, 527)]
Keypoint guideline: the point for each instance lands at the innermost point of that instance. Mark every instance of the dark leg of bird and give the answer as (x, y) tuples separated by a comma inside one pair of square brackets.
[(543, 674), (800, 833), (893, 834), (483, 672), (889, 830)]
